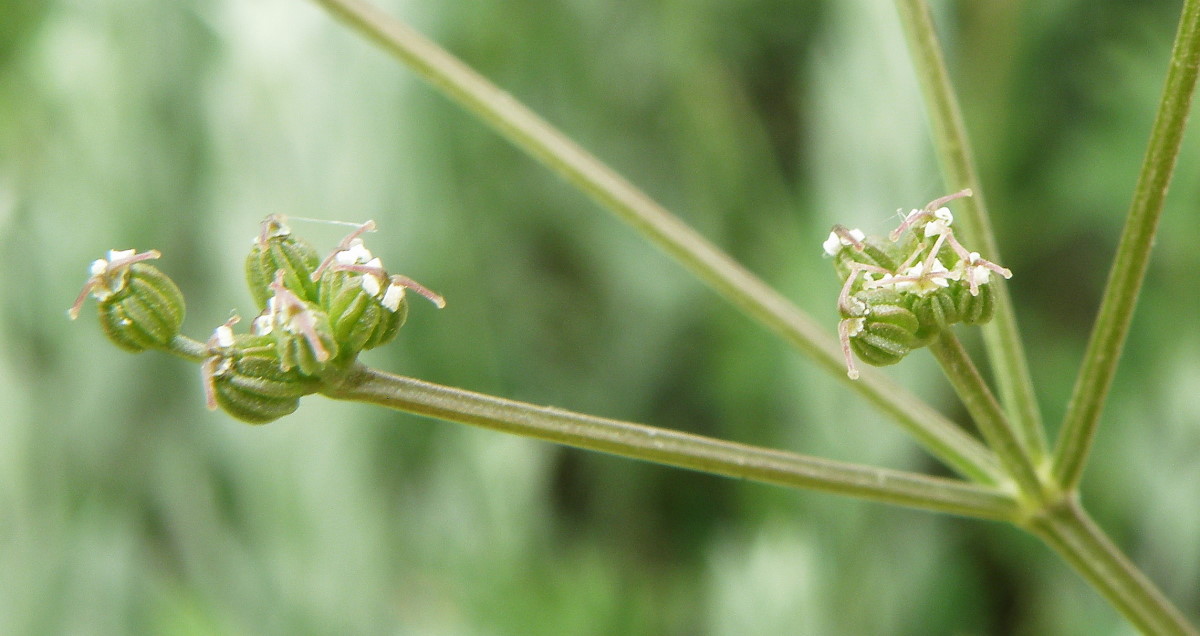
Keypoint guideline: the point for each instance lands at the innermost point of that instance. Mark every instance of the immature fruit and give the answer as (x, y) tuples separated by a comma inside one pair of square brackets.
[(275, 250), (935, 312), (884, 330), (887, 335), (139, 307), (246, 381), (977, 309), (365, 310)]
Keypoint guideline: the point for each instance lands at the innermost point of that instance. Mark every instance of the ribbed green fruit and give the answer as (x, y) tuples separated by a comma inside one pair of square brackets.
[(888, 334), (359, 319), (146, 311), (276, 248), (254, 388), (978, 309)]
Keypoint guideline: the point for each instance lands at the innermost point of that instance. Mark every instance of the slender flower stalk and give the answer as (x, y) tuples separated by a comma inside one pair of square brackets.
[(1133, 254), (1002, 338), (668, 447), (986, 412)]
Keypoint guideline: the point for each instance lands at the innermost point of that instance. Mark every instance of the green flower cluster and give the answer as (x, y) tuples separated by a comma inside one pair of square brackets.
[(900, 292), (314, 314)]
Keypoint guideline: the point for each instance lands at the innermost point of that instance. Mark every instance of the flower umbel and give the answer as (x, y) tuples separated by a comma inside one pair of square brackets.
[(314, 317), (919, 272)]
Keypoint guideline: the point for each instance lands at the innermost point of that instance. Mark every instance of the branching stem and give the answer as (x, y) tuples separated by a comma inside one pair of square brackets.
[(708, 263), (986, 412)]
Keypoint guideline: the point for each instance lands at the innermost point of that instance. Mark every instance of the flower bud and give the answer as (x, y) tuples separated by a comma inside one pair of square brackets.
[(139, 307), (244, 378), (276, 249)]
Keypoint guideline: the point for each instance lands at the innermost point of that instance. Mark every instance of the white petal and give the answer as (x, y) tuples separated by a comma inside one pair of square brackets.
[(262, 325), (832, 245), (393, 297), (359, 251), (371, 284), (224, 335), (115, 255)]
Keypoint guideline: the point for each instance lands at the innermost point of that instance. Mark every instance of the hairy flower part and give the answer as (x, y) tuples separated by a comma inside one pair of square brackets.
[(841, 237), (849, 328), (921, 279), (300, 328), (978, 272), (220, 345), (352, 256), (350, 251), (109, 276), (901, 292)]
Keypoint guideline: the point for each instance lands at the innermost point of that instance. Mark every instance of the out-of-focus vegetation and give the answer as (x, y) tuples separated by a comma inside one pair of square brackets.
[(125, 507)]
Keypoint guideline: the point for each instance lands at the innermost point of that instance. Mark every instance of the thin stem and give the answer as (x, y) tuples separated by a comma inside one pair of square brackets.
[(729, 279), (986, 412), (1071, 532), (672, 448), (1133, 254), (188, 349), (1001, 336)]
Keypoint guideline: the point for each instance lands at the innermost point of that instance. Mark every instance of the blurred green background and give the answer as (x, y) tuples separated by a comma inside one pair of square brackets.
[(126, 507)]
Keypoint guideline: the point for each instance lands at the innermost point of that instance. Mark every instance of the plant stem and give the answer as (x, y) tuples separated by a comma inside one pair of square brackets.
[(986, 412), (1133, 254), (1001, 336), (1068, 529), (672, 448), (188, 349), (532, 134)]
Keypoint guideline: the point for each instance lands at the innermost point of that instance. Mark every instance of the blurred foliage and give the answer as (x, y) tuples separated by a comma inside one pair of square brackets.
[(125, 507)]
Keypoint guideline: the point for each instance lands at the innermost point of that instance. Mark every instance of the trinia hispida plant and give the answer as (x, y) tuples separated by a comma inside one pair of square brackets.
[(900, 292), (315, 315)]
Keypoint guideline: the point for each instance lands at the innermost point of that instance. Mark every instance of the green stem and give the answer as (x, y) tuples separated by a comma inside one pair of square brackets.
[(986, 412), (188, 349), (672, 448), (532, 134), (1070, 532), (1001, 336), (1133, 254)]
